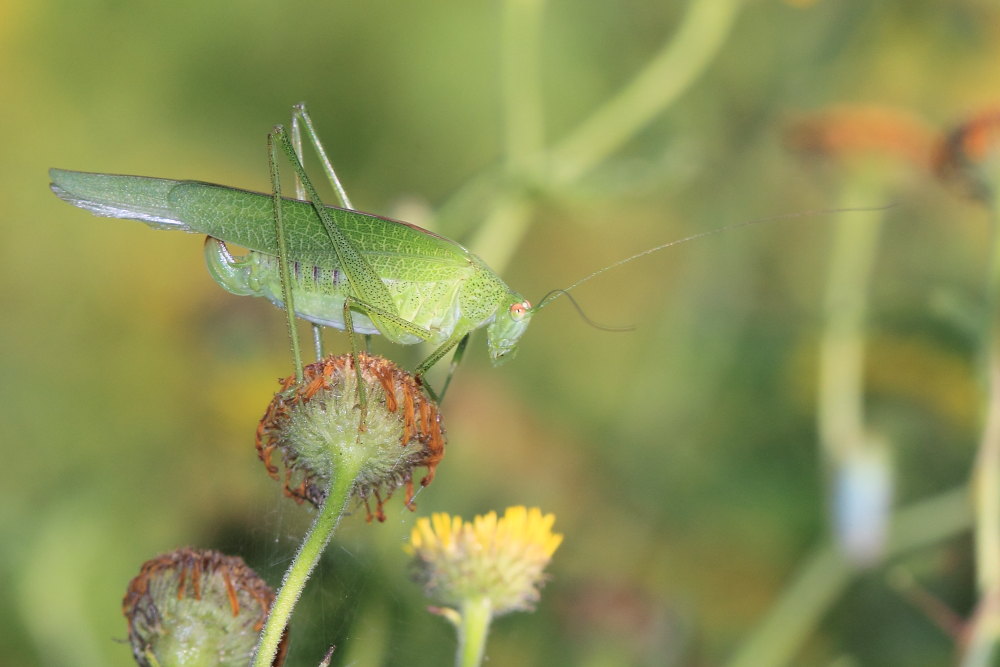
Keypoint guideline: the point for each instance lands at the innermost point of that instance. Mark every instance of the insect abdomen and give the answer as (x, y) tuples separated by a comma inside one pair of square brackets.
[(320, 292)]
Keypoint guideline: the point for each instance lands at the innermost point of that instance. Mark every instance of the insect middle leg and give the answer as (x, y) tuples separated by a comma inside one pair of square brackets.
[(396, 320), (362, 395)]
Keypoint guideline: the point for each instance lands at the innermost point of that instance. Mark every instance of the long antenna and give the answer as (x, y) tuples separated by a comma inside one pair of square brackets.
[(556, 293), (579, 309)]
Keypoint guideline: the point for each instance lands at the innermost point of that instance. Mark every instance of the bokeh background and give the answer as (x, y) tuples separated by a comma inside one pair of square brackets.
[(681, 459)]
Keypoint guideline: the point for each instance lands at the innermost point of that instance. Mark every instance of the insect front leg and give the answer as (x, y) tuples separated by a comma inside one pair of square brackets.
[(456, 359)]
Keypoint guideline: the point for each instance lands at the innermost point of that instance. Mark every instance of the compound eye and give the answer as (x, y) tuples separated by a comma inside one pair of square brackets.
[(518, 310)]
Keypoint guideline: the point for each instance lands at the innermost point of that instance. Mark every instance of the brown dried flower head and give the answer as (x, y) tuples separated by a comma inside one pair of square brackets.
[(197, 607), (866, 132), (313, 423)]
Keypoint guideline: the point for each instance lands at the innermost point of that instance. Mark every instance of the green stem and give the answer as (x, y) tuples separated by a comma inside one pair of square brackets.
[(826, 574), (986, 473), (987, 470), (669, 74), (840, 412), (678, 64), (472, 632), (981, 646), (522, 98), (501, 233), (338, 495), (986, 477)]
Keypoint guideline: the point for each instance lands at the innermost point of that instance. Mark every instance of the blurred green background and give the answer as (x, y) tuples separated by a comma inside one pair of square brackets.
[(681, 459)]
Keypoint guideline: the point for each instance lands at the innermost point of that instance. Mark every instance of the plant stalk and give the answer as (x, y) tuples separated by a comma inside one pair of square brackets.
[(322, 529), (472, 632), (668, 75), (842, 350), (825, 575), (985, 626)]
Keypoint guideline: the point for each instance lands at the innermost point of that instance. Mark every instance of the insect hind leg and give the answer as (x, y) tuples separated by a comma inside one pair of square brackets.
[(300, 119), (300, 115), (285, 273)]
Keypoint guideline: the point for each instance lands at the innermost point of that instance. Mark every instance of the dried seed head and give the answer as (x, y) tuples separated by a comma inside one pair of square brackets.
[(192, 607), (969, 156), (315, 424), (500, 560)]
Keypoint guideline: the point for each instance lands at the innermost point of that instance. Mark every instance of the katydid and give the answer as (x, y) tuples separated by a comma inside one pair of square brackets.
[(338, 267), (348, 269)]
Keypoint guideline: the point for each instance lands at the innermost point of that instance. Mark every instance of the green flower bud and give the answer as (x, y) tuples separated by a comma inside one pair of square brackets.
[(191, 608), (315, 426)]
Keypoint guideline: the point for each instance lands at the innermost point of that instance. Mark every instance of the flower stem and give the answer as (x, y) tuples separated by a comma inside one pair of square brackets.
[(472, 632), (339, 493), (679, 63), (510, 216), (841, 391), (857, 462), (669, 74), (986, 474), (520, 79), (825, 575)]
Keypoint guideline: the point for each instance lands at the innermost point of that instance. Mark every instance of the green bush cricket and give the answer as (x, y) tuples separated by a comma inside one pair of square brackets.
[(336, 266), (346, 269)]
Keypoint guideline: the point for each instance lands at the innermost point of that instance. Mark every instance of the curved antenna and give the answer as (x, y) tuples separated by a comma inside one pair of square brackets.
[(579, 309), (556, 293)]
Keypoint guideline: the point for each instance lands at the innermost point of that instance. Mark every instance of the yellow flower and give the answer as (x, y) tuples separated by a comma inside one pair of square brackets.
[(499, 561)]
